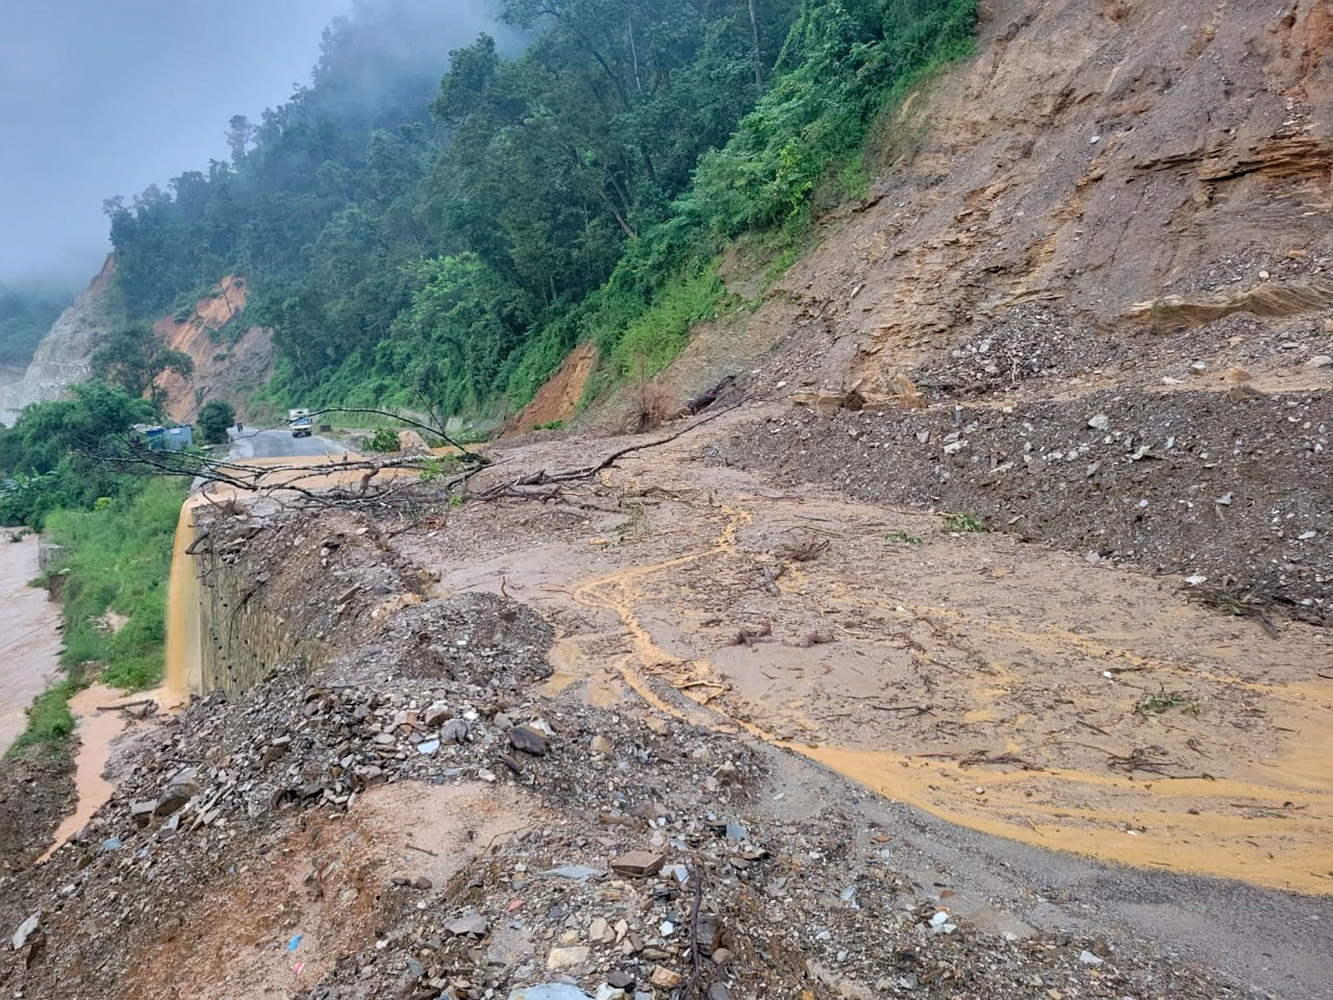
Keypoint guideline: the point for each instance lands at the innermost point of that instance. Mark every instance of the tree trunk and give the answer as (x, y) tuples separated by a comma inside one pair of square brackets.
[(758, 62)]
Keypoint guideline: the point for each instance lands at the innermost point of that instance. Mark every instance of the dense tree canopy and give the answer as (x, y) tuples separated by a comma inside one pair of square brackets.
[(445, 241)]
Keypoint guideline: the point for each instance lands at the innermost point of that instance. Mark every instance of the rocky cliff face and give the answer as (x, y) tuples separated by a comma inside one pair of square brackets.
[(62, 357)]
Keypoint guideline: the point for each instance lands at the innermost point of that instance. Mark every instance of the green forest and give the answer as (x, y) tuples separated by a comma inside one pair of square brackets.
[(443, 242), (26, 314)]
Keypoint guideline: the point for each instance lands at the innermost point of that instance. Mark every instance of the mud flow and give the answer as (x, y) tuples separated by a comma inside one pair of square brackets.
[(1005, 687)]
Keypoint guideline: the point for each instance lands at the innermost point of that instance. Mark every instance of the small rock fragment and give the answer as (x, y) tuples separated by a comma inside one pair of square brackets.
[(665, 978), (567, 958), (470, 923), (25, 930), (638, 864)]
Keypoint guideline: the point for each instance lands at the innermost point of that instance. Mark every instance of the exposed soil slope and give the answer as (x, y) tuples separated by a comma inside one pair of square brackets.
[(226, 370)]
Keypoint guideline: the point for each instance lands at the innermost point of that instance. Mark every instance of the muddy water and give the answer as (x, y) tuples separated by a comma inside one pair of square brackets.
[(1010, 689), (183, 671), (29, 636)]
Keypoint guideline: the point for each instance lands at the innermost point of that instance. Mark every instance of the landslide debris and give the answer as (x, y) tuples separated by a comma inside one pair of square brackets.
[(358, 830)]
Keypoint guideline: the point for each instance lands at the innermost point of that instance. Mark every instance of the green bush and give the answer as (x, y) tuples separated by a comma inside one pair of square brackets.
[(383, 440)]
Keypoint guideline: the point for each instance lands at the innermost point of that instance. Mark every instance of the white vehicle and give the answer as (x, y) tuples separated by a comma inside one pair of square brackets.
[(302, 427)]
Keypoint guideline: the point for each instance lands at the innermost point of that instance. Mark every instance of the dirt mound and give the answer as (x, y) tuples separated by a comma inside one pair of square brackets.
[(222, 370)]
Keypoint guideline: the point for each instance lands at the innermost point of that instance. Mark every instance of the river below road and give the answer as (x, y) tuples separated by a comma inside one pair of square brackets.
[(29, 636)]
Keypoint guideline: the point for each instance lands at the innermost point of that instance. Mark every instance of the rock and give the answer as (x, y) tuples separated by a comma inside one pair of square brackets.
[(528, 740), (428, 747), (939, 924), (608, 992), (638, 864), (384, 740), (601, 745), (576, 872), (735, 831), (1320, 361), (435, 714), (405, 718), (708, 933), (1224, 500), (173, 801), (142, 812), (421, 882), (567, 958), (469, 923), (549, 991), (277, 749), (25, 930), (850, 989), (111, 844), (1088, 958), (600, 932), (454, 731), (1100, 422), (722, 957), (620, 979), (719, 991), (665, 978), (502, 721)]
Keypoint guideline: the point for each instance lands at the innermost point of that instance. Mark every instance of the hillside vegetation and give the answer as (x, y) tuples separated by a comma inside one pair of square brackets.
[(445, 242)]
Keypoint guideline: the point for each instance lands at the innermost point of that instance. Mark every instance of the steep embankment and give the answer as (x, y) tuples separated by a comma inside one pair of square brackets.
[(62, 357), (1106, 241), (1095, 168), (223, 368)]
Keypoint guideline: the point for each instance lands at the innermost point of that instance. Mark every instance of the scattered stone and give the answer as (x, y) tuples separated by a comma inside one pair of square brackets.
[(576, 872), (454, 731), (601, 745), (567, 958), (427, 747), (25, 930), (1100, 422), (600, 932), (528, 740), (435, 715), (549, 991), (502, 721), (665, 978), (638, 864), (719, 991), (1320, 361), (469, 923), (421, 882), (620, 979), (1224, 500), (1088, 958), (142, 812), (276, 750), (722, 956)]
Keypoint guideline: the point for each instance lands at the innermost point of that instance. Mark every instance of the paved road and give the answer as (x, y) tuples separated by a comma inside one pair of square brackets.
[(279, 444)]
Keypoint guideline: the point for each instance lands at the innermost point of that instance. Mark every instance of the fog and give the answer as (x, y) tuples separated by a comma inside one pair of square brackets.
[(103, 98)]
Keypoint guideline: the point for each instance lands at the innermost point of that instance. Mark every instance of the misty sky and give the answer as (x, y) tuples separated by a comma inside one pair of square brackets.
[(104, 97)]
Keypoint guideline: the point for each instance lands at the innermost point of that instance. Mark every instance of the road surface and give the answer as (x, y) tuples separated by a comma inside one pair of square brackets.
[(279, 444)]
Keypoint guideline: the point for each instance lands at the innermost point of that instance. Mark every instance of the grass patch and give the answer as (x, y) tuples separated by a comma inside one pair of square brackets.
[(964, 523), (901, 538), (49, 719), (655, 337), (1153, 705), (118, 558)]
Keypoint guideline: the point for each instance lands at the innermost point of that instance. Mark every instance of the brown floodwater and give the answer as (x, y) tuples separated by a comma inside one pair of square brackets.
[(29, 636)]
